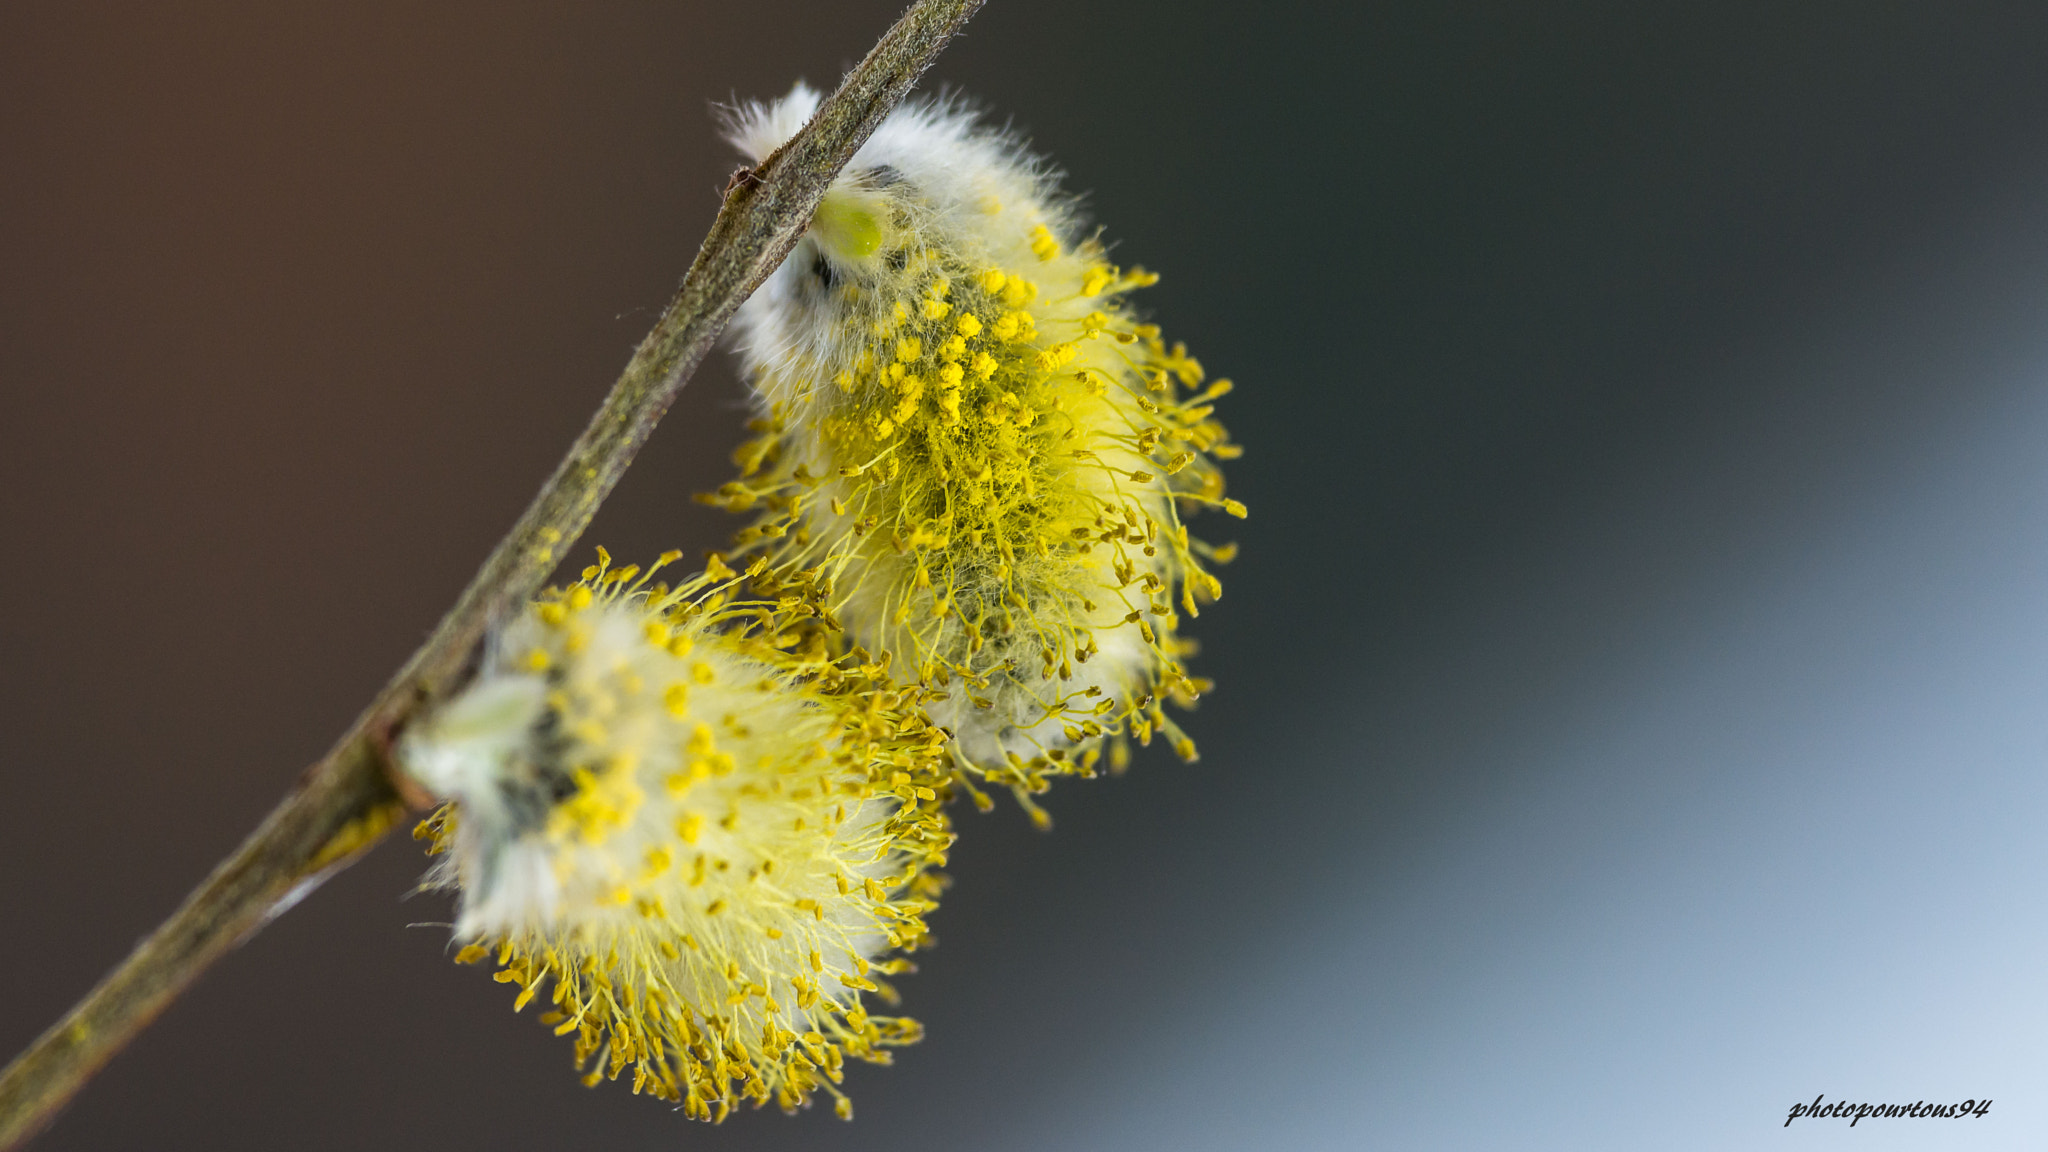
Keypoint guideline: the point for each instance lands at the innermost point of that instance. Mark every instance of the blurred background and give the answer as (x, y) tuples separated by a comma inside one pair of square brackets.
[(1630, 693)]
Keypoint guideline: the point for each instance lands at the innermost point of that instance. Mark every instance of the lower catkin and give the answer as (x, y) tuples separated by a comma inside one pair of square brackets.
[(691, 832)]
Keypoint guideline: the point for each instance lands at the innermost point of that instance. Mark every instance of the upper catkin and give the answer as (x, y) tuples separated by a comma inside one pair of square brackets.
[(968, 436), (672, 814)]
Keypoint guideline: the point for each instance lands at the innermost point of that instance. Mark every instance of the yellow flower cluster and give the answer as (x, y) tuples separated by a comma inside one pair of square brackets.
[(700, 823), (969, 435), (689, 832)]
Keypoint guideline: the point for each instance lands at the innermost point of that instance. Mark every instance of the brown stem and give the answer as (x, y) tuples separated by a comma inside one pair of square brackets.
[(352, 797)]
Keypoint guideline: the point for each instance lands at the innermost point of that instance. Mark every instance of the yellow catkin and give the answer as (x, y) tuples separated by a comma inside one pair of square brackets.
[(693, 834), (969, 433)]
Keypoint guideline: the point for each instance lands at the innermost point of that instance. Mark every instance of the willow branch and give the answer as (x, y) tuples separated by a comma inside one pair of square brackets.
[(353, 796)]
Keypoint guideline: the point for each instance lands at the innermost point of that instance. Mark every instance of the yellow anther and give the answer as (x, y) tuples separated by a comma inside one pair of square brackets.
[(702, 742), (1057, 356), (1042, 243)]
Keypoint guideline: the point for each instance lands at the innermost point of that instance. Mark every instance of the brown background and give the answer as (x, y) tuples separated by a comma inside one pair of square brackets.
[(299, 302)]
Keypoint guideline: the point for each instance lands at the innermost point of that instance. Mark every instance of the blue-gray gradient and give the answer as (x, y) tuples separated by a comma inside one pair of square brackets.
[(1631, 693)]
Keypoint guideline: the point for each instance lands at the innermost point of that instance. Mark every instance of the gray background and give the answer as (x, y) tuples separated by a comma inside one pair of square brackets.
[(1629, 717)]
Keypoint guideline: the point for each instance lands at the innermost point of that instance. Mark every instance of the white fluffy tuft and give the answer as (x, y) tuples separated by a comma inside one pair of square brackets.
[(758, 129)]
